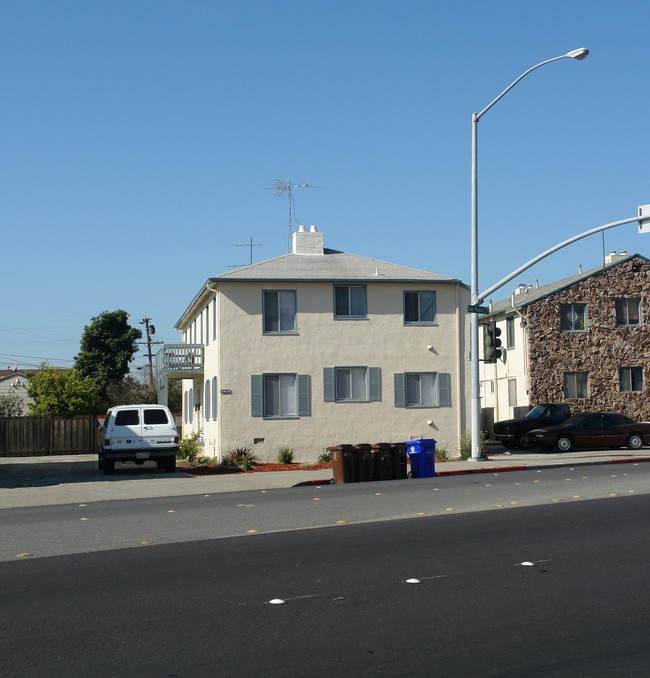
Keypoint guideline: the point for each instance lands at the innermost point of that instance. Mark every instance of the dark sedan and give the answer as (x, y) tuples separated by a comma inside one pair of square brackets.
[(593, 429)]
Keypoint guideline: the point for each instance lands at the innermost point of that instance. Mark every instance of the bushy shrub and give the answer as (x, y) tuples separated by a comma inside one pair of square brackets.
[(242, 456), (325, 457), (188, 448), (466, 444), (285, 455)]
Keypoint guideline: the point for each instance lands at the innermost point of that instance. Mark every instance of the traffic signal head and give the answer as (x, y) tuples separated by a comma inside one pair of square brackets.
[(491, 342)]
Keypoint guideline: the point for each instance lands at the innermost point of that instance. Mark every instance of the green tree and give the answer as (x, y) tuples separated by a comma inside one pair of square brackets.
[(11, 405), (63, 393), (130, 391), (108, 345)]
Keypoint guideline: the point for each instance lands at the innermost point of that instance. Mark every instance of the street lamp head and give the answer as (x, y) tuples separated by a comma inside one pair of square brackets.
[(578, 54)]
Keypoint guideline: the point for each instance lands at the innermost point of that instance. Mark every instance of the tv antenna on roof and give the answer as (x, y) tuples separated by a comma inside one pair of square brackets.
[(281, 187), (250, 244)]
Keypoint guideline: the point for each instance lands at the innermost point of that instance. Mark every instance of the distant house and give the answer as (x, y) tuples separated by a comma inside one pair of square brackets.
[(15, 381), (582, 340), (320, 347)]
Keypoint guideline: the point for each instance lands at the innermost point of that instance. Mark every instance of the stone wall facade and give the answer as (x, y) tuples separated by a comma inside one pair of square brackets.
[(601, 350)]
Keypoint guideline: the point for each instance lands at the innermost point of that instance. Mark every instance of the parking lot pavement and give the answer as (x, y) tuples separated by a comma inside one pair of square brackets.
[(66, 479)]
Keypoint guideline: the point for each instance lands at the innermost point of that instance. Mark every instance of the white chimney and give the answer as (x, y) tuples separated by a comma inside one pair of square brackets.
[(307, 242), (612, 257)]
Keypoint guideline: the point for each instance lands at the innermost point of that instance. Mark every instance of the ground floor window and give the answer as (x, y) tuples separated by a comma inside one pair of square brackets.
[(575, 385), (422, 389), (280, 395), (631, 378)]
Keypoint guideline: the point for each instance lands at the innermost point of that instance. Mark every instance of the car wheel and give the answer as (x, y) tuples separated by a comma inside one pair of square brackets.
[(100, 463), (564, 444), (634, 441), (523, 441), (170, 466), (109, 466)]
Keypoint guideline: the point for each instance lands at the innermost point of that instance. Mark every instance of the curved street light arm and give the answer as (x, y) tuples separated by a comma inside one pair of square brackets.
[(543, 255)]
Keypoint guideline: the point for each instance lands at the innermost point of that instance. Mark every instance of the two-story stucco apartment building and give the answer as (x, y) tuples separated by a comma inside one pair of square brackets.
[(582, 340), (318, 348)]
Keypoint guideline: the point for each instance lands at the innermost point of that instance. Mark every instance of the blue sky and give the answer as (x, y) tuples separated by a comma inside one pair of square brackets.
[(139, 139)]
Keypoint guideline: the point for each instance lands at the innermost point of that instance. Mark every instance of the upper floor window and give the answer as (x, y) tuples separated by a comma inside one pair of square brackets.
[(419, 307), (573, 317), (628, 312), (349, 301), (360, 384), (279, 311), (575, 385), (510, 333), (631, 378)]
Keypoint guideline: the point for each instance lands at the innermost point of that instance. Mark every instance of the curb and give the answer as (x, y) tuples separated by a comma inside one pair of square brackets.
[(502, 469)]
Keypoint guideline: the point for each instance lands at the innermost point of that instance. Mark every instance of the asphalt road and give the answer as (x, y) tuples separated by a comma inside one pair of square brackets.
[(42, 531), (202, 608)]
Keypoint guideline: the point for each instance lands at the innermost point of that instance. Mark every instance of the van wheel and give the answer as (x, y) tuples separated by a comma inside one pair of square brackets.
[(109, 467), (170, 465)]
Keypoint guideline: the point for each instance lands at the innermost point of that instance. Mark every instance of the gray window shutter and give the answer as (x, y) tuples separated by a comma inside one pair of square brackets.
[(304, 395), (374, 383), (257, 400), (329, 384), (444, 389), (400, 389)]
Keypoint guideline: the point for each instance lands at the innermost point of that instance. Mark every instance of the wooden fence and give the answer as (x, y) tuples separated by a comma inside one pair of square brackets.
[(42, 436)]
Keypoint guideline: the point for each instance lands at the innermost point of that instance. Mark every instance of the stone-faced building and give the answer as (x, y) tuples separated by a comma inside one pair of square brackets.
[(584, 340)]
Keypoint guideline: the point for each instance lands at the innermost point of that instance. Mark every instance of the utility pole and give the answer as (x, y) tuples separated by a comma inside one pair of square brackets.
[(151, 330)]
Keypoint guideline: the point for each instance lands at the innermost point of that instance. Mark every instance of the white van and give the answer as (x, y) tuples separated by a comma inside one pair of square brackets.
[(138, 433)]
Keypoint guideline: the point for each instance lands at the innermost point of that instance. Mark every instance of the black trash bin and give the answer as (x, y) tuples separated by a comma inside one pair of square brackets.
[(342, 463), (399, 460), (381, 464), (362, 463)]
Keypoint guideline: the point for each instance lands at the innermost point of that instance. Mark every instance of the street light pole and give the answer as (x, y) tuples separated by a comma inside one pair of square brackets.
[(475, 423)]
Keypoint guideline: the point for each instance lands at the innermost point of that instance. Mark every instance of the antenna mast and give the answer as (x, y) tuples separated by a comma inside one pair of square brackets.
[(281, 187)]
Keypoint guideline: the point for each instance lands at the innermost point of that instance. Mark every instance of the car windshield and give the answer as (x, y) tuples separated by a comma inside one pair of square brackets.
[(536, 412)]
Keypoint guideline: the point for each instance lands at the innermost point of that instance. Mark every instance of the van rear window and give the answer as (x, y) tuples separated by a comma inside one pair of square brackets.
[(155, 417), (127, 418)]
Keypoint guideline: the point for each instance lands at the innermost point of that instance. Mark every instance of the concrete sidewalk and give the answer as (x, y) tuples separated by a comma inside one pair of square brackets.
[(42, 481)]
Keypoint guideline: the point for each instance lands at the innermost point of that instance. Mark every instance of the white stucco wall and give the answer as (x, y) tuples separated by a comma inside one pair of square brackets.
[(513, 364), (381, 340)]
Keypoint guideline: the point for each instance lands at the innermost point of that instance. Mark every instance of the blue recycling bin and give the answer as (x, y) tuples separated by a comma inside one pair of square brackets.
[(421, 455)]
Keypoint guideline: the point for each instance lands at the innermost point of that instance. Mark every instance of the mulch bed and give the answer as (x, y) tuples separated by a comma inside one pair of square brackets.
[(207, 470)]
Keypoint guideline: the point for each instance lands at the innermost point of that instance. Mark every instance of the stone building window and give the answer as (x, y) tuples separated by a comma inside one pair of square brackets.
[(575, 385), (631, 378), (573, 317), (628, 312)]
